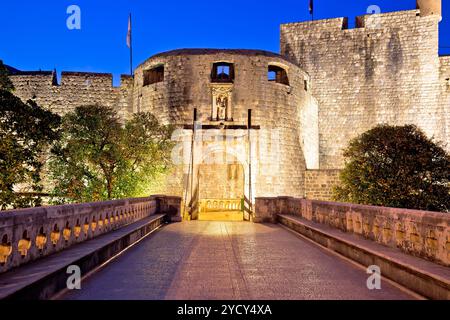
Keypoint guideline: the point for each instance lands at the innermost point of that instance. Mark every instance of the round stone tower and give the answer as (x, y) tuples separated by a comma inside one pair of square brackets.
[(430, 7), (237, 154)]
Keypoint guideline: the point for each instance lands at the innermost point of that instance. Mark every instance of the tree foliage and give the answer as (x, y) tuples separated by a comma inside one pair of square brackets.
[(396, 166), (26, 132), (98, 158)]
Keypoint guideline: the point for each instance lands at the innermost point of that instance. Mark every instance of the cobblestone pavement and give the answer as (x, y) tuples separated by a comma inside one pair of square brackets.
[(229, 260)]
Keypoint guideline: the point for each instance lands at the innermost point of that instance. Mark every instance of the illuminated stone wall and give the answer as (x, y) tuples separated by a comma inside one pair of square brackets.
[(420, 233), (445, 97), (75, 89), (386, 70), (340, 83), (282, 147), (319, 184), (30, 234)]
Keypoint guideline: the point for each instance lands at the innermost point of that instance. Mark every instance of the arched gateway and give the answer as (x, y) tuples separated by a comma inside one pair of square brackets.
[(221, 186), (239, 112)]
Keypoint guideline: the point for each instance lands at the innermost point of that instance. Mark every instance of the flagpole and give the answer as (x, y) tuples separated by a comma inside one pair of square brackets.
[(131, 47)]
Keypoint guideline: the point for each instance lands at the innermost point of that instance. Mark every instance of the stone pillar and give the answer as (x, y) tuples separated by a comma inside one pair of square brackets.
[(170, 206)]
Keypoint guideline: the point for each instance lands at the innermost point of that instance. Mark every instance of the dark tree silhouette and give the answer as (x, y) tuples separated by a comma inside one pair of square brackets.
[(396, 166)]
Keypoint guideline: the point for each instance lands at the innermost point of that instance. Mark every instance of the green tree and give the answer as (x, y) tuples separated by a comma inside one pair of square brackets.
[(147, 147), (26, 132), (396, 166), (98, 158), (5, 82)]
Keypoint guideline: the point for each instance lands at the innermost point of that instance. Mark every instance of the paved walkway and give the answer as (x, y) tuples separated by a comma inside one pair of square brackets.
[(229, 260)]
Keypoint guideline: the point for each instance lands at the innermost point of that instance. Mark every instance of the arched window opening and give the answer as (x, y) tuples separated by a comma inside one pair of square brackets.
[(278, 75), (154, 75), (222, 72)]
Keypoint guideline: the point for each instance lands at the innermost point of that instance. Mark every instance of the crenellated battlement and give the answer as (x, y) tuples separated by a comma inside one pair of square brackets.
[(324, 25), (445, 64), (387, 20), (92, 79), (74, 89), (367, 22), (70, 78)]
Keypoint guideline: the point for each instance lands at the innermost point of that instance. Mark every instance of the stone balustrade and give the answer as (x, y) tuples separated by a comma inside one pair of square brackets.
[(211, 205), (420, 233), (29, 234)]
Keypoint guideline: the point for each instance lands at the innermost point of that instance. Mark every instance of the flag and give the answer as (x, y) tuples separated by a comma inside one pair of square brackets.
[(129, 33), (311, 6)]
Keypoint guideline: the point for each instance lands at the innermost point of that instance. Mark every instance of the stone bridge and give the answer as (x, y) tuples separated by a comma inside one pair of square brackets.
[(292, 249)]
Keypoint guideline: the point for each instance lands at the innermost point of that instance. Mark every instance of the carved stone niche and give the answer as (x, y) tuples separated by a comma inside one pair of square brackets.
[(222, 107)]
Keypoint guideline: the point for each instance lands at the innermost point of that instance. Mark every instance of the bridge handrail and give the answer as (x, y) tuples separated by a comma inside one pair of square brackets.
[(29, 234), (423, 234)]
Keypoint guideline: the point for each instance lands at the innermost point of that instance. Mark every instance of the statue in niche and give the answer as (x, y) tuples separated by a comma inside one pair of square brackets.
[(222, 107), (221, 103)]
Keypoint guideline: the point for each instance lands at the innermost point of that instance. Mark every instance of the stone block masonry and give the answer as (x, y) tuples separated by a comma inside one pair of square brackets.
[(76, 89), (319, 184), (329, 84), (281, 148), (422, 234), (30, 234), (386, 70), (445, 97)]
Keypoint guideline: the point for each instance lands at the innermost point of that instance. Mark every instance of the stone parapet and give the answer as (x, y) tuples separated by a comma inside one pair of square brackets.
[(75, 89), (423, 234), (385, 70), (29, 234)]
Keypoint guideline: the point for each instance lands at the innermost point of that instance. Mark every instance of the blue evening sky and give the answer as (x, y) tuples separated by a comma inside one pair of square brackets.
[(34, 34)]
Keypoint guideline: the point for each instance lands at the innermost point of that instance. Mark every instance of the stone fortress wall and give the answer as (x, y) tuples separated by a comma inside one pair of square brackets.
[(386, 70), (74, 89), (444, 82), (277, 110), (341, 82), (319, 183)]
